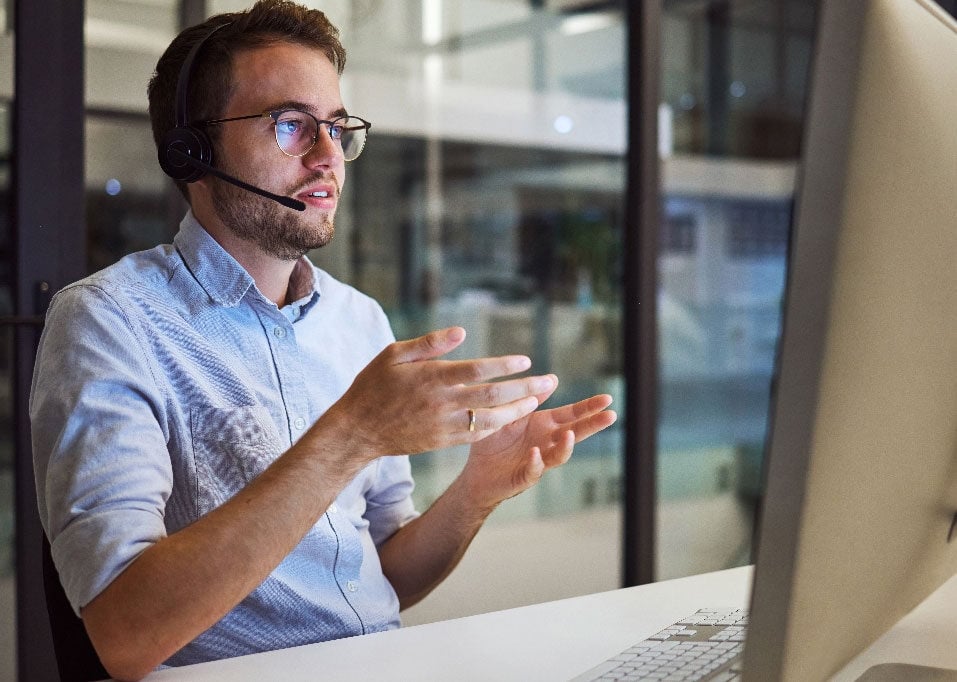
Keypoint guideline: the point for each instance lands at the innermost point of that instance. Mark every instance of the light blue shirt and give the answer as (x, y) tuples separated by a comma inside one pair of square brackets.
[(163, 385)]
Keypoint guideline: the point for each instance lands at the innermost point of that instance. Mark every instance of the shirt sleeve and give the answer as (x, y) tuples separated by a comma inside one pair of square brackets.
[(389, 503), (103, 471)]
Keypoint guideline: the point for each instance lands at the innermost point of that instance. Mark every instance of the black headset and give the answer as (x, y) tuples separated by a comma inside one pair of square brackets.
[(186, 153), (186, 143)]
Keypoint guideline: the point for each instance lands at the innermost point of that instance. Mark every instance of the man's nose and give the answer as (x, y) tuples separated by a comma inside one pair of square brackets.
[(325, 152)]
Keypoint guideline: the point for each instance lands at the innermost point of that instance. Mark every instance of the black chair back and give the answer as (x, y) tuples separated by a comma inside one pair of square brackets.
[(75, 656)]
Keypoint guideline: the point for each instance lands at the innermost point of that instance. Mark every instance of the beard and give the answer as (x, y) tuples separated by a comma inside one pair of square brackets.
[(277, 230)]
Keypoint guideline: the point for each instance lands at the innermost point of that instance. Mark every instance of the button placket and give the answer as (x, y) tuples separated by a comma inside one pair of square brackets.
[(285, 354)]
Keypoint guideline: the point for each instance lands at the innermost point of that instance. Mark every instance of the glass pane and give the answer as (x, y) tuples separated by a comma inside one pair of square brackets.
[(490, 195), (124, 38), (129, 204), (734, 81), (8, 640)]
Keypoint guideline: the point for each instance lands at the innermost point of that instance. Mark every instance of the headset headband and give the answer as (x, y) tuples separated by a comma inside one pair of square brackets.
[(185, 73)]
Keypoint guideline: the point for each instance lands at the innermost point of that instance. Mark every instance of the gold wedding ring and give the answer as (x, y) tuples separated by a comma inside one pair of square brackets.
[(471, 421)]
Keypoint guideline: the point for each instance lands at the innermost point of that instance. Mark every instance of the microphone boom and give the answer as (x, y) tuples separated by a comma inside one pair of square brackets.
[(288, 202)]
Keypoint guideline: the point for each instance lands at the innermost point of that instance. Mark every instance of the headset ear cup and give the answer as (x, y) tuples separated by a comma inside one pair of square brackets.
[(180, 145)]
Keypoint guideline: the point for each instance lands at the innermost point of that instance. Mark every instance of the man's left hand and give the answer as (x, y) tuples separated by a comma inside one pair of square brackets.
[(514, 458)]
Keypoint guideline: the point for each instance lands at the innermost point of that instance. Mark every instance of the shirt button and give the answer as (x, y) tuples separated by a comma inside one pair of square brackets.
[(333, 508), (352, 586), (280, 332), (300, 423)]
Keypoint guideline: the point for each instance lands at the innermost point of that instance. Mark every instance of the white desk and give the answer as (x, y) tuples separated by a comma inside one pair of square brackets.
[(557, 640)]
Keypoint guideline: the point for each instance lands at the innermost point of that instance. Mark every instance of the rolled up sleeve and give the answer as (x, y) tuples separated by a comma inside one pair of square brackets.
[(101, 460), (389, 504)]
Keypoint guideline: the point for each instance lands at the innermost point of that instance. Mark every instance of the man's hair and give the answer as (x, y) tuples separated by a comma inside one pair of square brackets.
[(268, 22)]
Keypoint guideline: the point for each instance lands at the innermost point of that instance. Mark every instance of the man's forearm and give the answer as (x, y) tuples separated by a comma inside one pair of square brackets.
[(421, 554), (186, 582)]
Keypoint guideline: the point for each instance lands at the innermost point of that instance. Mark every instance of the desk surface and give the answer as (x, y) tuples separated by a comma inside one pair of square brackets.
[(558, 640)]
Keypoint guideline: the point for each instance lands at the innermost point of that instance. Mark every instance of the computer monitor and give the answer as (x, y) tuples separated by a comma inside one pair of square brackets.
[(857, 525)]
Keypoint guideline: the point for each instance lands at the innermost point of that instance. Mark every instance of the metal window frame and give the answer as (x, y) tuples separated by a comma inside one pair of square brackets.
[(49, 246), (642, 216)]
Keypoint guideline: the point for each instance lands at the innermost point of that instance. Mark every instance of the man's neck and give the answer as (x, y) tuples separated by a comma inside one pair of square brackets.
[(270, 274)]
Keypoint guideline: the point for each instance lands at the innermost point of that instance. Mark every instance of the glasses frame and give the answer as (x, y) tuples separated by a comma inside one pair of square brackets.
[(274, 115)]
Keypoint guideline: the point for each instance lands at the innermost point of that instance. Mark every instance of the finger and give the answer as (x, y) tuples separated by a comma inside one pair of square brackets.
[(502, 392), (561, 451), (534, 468), (546, 394), (484, 369), (566, 414), (432, 345), (589, 426), (491, 419)]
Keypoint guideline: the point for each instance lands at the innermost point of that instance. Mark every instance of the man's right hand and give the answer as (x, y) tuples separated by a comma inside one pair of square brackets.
[(408, 401)]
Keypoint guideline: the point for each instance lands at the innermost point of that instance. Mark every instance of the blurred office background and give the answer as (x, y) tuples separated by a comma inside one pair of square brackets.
[(492, 194)]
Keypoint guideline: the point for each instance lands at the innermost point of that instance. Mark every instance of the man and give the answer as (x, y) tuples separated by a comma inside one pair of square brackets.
[(221, 430)]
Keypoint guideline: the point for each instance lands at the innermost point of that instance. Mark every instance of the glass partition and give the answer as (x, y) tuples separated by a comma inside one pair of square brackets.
[(130, 205), (733, 86), (491, 196), (526, 258)]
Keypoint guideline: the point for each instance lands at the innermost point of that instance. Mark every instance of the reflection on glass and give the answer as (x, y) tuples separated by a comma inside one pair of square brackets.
[(733, 87), (577, 48), (129, 204), (521, 246), (526, 258), (490, 196), (734, 75)]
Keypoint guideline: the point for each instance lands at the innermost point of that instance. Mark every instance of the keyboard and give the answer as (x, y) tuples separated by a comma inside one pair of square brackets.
[(707, 646)]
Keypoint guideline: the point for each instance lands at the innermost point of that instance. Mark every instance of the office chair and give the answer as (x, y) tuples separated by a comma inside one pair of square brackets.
[(76, 658)]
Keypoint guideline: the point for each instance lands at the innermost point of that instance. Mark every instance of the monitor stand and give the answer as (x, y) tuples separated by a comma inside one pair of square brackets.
[(906, 672)]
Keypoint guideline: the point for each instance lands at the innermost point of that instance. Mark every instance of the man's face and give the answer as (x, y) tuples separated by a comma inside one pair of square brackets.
[(281, 76)]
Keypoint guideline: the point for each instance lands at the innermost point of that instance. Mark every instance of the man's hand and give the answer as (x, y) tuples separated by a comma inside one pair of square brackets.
[(407, 400), (504, 462), (514, 458)]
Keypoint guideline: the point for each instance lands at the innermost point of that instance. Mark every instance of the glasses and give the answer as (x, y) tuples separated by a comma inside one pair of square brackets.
[(298, 131)]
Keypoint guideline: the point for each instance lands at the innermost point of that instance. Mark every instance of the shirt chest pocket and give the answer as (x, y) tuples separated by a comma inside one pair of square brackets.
[(231, 447)]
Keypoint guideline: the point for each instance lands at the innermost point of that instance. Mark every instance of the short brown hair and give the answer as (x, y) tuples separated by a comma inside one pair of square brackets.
[(266, 23)]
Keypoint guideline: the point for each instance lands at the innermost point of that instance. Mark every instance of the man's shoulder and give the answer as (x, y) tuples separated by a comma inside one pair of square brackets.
[(143, 269)]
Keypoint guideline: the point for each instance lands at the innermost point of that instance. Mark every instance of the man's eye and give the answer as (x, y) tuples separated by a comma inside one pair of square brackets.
[(335, 131), (289, 126)]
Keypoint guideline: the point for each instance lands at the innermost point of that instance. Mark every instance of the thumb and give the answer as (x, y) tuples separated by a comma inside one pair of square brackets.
[(534, 467), (432, 345)]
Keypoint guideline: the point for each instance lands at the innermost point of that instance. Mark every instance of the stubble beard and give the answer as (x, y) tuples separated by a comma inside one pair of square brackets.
[(277, 230)]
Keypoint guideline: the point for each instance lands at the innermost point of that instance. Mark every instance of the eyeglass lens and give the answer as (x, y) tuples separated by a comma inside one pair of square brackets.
[(296, 133)]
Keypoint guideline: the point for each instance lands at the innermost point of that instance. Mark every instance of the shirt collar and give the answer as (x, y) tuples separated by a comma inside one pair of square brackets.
[(221, 276), (224, 280), (303, 288)]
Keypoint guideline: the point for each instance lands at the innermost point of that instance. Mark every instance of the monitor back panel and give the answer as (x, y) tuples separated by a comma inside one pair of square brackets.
[(861, 481)]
